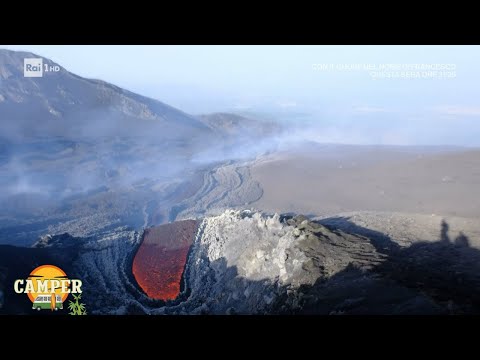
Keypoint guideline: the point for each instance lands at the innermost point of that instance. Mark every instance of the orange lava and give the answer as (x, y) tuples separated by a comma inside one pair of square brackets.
[(159, 262)]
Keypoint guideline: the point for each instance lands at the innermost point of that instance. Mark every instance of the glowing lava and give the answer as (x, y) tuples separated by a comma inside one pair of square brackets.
[(159, 262)]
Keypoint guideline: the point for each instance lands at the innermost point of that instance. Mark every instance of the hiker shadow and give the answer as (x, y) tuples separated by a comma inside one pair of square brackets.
[(427, 277), (446, 271)]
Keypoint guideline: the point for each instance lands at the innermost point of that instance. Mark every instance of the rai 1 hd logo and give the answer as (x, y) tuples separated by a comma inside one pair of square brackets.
[(34, 67), (48, 288)]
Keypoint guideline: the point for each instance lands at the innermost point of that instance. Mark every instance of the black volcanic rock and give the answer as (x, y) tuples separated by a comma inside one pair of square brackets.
[(18, 262), (57, 241)]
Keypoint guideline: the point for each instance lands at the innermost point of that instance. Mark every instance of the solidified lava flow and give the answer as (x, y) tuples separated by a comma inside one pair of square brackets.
[(159, 262)]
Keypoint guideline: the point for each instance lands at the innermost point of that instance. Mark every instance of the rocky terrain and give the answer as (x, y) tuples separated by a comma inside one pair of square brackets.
[(250, 262), (162, 212), (227, 185), (246, 262), (84, 156)]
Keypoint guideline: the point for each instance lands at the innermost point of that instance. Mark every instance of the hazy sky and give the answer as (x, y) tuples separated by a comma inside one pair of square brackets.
[(289, 83)]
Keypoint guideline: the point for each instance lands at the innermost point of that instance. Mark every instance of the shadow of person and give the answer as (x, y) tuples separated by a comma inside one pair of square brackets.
[(444, 232), (447, 271), (361, 271)]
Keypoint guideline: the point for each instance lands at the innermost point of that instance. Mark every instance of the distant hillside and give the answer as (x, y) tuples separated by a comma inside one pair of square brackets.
[(86, 151), (64, 104), (232, 125)]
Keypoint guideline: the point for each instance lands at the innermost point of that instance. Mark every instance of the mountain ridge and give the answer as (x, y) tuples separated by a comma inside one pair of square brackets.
[(81, 103)]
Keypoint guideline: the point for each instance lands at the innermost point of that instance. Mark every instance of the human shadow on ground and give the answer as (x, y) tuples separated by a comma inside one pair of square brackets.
[(441, 276), (427, 277)]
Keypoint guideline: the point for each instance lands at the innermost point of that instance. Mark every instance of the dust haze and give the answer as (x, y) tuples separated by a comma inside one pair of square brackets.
[(282, 191), (74, 148)]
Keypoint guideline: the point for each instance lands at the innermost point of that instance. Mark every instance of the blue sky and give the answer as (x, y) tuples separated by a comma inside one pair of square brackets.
[(282, 81)]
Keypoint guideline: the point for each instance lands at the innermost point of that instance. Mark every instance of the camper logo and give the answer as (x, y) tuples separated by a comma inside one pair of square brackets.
[(48, 287)]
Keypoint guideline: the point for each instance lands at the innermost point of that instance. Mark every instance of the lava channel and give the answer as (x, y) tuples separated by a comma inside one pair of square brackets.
[(160, 260)]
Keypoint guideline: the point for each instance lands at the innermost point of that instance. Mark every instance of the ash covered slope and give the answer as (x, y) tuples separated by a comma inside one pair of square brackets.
[(100, 261), (64, 104), (17, 262), (246, 262), (240, 137), (250, 263), (231, 126), (80, 155)]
